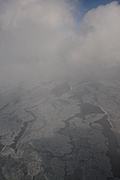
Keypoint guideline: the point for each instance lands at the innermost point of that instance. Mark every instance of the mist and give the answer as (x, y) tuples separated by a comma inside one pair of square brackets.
[(50, 39), (59, 90)]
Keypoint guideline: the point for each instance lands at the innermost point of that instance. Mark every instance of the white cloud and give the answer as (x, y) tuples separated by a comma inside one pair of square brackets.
[(46, 33)]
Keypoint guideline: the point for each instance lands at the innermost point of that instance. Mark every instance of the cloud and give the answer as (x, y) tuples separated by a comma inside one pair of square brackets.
[(47, 34), (102, 38), (35, 29)]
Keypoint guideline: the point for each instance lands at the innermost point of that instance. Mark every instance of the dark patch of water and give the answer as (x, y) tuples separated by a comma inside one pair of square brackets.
[(23, 129), (88, 108), (60, 90), (13, 146), (1, 146), (113, 146), (4, 107)]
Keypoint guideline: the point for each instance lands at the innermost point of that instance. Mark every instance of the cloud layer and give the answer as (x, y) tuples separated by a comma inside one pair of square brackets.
[(46, 35)]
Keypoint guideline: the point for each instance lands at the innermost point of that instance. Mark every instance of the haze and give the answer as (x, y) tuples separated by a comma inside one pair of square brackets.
[(50, 38), (59, 90)]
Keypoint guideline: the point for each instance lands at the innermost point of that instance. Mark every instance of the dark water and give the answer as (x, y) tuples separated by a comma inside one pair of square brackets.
[(1, 146), (4, 107), (13, 146), (88, 108), (60, 90), (79, 96), (23, 129), (112, 152)]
